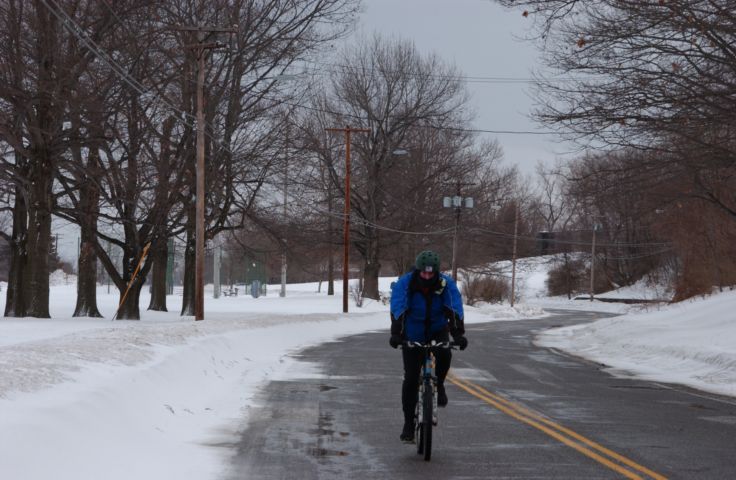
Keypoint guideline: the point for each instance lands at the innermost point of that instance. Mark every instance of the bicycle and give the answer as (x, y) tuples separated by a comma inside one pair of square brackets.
[(426, 412)]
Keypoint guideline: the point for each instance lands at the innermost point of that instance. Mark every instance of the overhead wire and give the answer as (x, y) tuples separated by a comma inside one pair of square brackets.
[(354, 219), (319, 69)]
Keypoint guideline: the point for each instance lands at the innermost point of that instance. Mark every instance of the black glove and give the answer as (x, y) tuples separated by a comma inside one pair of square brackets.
[(395, 341), (461, 342)]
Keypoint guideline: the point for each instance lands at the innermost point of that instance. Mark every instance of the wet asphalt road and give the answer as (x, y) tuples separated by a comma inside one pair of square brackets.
[(517, 411)]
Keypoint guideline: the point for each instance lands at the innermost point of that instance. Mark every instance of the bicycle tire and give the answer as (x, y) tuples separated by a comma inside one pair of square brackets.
[(420, 439), (418, 425), (426, 434)]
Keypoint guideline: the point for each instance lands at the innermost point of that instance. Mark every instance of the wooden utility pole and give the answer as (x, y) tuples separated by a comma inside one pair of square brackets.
[(346, 227), (200, 47), (282, 293), (513, 255), (592, 263)]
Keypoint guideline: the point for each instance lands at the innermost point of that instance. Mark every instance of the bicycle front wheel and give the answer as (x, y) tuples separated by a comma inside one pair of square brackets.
[(426, 428)]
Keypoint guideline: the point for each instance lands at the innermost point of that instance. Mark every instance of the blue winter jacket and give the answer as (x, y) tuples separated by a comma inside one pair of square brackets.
[(445, 309)]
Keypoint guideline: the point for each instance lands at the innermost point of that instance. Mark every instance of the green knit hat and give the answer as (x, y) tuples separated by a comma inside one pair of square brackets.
[(428, 261)]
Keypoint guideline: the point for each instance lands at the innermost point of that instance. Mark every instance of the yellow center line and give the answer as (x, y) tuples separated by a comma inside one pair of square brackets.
[(573, 434), (547, 426)]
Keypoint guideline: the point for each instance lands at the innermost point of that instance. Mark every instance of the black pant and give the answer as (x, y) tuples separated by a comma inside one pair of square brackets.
[(413, 361)]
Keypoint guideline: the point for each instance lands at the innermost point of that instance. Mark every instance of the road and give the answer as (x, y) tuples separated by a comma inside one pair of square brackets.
[(517, 411)]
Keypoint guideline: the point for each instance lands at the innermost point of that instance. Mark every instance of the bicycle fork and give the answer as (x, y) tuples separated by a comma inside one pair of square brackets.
[(428, 380)]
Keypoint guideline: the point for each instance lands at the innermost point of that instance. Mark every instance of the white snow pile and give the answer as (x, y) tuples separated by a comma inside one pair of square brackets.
[(644, 289), (506, 312), (691, 343)]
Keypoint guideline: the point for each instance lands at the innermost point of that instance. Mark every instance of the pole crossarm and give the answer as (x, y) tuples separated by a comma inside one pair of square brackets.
[(205, 46), (348, 130)]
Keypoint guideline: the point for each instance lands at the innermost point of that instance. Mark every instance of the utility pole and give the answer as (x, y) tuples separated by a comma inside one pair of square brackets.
[(346, 227), (200, 47), (592, 262), (513, 255), (282, 293)]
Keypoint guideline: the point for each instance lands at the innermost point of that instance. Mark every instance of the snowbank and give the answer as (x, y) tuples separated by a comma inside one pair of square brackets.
[(691, 343)]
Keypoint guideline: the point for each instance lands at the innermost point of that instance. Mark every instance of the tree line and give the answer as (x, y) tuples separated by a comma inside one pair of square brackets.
[(97, 128), (97, 105)]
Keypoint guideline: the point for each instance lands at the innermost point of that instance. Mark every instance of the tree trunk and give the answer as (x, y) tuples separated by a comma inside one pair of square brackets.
[(39, 236), (158, 278), (130, 309), (87, 266), (41, 172), (372, 266), (187, 303), (331, 257), (15, 303), (330, 273), (87, 280)]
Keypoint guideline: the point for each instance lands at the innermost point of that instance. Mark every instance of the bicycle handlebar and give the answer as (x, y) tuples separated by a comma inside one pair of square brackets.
[(432, 344)]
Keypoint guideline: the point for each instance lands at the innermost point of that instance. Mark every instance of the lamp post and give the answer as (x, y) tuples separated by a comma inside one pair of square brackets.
[(456, 202)]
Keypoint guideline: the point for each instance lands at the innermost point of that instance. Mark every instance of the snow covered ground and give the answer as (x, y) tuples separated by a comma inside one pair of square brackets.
[(164, 398)]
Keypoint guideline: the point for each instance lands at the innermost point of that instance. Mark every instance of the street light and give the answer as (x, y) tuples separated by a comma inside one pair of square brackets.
[(456, 202)]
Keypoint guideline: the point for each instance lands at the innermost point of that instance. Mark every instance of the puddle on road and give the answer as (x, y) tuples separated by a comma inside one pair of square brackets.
[(323, 452)]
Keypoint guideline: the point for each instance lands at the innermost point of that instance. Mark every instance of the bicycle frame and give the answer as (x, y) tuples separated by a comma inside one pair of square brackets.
[(427, 383), (426, 412)]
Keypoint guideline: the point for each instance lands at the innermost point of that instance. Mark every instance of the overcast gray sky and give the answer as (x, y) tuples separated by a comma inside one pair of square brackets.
[(483, 40)]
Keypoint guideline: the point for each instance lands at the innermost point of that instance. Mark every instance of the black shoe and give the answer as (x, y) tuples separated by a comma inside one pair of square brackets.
[(407, 433), (441, 396)]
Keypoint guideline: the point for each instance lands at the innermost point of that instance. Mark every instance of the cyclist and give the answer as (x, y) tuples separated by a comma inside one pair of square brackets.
[(425, 305)]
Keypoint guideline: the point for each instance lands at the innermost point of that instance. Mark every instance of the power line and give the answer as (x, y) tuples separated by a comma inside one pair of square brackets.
[(571, 242), (320, 70), (358, 220), (432, 127)]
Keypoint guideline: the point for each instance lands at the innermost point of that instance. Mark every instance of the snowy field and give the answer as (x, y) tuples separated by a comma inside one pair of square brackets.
[(165, 397)]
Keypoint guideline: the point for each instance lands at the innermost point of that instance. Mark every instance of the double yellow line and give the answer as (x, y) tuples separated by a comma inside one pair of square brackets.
[(574, 440)]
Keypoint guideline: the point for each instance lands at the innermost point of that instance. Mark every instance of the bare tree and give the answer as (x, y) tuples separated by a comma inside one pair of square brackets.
[(388, 87), (41, 64), (658, 76)]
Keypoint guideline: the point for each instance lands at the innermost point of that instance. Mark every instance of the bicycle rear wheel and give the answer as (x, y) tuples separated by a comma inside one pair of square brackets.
[(425, 439)]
